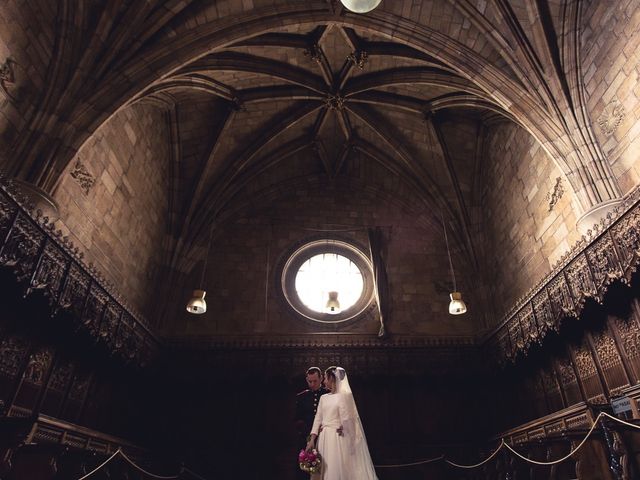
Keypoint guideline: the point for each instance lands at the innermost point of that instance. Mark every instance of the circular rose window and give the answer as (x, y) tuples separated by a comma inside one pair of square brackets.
[(328, 281)]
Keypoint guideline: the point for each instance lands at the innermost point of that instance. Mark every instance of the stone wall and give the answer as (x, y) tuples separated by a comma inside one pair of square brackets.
[(26, 43), (246, 253), (529, 214), (610, 59), (113, 200)]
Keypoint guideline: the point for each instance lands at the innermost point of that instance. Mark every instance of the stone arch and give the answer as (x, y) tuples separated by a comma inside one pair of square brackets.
[(164, 58)]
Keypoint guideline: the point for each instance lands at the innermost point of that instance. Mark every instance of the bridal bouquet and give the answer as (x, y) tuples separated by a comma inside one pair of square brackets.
[(310, 462)]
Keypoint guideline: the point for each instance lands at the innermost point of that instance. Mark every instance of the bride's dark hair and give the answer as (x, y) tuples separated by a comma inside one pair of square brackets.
[(331, 372)]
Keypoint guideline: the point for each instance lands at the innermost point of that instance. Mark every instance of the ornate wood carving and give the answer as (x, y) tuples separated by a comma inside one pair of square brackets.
[(610, 362), (361, 361), (549, 381), (569, 382), (605, 346), (20, 249), (75, 291), (8, 212), (566, 372), (44, 260), (79, 386), (585, 364), (611, 252), (13, 352), (110, 321), (630, 335), (544, 314), (529, 326), (61, 376), (605, 264), (94, 308), (38, 365), (561, 299), (588, 374), (579, 279), (575, 418), (49, 274), (626, 236)]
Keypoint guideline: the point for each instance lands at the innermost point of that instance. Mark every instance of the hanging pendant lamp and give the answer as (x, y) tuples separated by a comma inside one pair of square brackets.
[(197, 304), (457, 305), (360, 6), (333, 305)]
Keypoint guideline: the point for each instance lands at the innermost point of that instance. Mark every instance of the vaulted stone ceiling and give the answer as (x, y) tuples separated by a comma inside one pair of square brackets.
[(258, 94), (330, 91)]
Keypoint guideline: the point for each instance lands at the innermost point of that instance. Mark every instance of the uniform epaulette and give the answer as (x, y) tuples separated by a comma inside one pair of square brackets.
[(304, 391)]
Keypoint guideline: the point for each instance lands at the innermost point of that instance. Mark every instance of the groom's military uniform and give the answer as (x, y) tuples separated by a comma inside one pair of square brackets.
[(306, 406)]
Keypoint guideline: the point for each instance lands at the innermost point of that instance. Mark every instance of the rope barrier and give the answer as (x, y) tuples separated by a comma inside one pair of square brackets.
[(399, 465), (595, 423), (510, 448), (101, 465), (192, 473), (420, 462), (502, 444), (619, 420), (133, 464), (139, 468)]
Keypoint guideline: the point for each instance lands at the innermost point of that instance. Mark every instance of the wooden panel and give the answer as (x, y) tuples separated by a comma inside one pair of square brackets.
[(57, 388), (610, 362), (628, 332), (34, 378), (586, 368), (552, 389), (568, 381)]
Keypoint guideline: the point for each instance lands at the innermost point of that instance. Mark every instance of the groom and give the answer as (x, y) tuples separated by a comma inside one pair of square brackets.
[(306, 406)]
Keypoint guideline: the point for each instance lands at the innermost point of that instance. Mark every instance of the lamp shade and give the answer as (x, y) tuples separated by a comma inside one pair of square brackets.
[(333, 305), (360, 6), (197, 305), (457, 306)]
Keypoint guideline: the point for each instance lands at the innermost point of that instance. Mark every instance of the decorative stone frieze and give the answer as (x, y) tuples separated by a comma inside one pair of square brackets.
[(84, 178), (611, 117), (314, 52), (43, 260), (7, 77), (554, 196), (334, 102), (358, 58)]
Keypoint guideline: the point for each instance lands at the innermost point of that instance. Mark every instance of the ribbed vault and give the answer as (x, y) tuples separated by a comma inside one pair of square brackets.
[(245, 87)]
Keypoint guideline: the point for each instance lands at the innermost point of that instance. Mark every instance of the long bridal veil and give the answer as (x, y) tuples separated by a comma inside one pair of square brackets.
[(361, 465)]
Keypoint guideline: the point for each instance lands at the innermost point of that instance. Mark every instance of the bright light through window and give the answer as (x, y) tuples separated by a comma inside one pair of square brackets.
[(328, 272)]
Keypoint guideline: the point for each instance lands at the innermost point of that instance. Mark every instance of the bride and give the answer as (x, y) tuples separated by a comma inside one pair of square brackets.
[(339, 434)]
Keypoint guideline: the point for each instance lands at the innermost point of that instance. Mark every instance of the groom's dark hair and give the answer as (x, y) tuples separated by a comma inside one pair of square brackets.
[(312, 370)]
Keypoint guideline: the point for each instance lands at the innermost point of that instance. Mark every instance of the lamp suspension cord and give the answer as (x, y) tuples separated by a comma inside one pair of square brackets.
[(206, 258), (446, 241)]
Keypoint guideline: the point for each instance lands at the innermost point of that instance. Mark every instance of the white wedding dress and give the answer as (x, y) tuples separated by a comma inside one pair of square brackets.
[(346, 456)]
